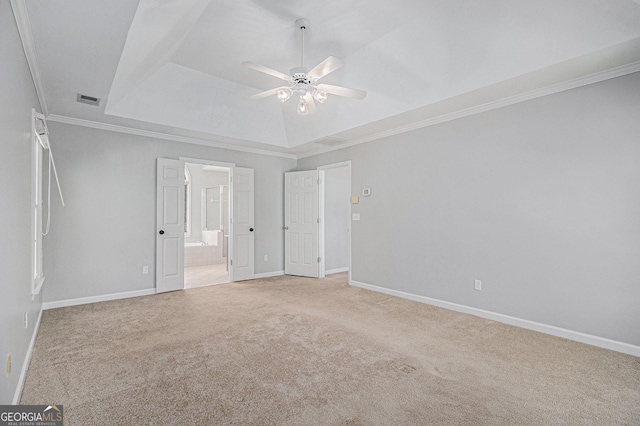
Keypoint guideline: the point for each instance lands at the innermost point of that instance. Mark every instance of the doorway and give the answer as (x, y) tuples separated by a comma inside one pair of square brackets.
[(317, 221), (206, 224), (175, 220), (335, 218)]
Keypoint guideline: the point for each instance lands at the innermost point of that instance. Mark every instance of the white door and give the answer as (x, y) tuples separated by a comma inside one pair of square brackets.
[(170, 225), (242, 249), (301, 223)]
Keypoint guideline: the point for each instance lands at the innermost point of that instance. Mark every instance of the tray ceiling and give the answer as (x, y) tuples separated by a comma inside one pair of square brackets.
[(175, 66)]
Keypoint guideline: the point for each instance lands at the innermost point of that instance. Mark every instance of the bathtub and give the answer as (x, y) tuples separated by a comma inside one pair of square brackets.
[(200, 253), (196, 244)]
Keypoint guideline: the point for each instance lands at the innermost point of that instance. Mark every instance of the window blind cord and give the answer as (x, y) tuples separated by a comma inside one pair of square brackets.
[(52, 165), (55, 173), (48, 225)]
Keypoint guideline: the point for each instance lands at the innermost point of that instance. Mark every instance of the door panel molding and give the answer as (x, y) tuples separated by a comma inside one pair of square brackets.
[(242, 224), (301, 223), (169, 228)]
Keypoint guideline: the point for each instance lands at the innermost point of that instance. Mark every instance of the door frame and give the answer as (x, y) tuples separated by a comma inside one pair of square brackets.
[(230, 166), (321, 215)]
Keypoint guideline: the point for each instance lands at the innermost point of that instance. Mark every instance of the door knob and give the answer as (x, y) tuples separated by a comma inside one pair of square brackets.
[(286, 228), (161, 232), (250, 229)]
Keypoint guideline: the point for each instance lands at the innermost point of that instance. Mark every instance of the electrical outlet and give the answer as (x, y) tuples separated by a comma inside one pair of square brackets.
[(145, 270), (478, 285), (266, 258), (8, 364)]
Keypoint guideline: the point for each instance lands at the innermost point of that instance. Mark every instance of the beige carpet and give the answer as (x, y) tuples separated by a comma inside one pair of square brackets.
[(295, 351)]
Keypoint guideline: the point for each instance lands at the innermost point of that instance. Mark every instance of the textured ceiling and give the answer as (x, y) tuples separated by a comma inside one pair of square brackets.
[(175, 66)]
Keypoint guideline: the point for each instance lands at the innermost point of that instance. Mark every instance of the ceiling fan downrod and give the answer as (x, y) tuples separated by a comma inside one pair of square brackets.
[(302, 23), (302, 83)]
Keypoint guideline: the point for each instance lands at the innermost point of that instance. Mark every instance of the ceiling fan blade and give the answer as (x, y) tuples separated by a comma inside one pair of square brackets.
[(325, 67), (311, 104), (266, 93), (343, 91), (266, 70)]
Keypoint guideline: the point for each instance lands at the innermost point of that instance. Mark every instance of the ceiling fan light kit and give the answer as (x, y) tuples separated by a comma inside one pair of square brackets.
[(303, 82)]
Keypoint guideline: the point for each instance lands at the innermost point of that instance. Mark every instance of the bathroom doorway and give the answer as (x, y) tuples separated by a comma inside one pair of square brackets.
[(206, 225)]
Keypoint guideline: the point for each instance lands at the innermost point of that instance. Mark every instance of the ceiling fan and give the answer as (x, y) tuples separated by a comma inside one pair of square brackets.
[(303, 82)]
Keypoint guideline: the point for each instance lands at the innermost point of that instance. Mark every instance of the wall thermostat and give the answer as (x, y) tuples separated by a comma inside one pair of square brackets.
[(366, 192)]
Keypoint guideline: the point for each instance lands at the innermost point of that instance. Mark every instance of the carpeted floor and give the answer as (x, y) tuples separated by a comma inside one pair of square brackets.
[(289, 350)]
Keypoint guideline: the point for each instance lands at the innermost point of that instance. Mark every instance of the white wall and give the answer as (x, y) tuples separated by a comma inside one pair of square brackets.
[(336, 218), (540, 200), (106, 234), (17, 100)]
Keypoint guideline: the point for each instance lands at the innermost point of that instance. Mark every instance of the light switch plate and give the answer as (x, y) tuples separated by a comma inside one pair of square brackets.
[(366, 192), (355, 216), (477, 284)]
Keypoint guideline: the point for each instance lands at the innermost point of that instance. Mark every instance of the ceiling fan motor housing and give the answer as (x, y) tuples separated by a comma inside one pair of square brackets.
[(302, 83), (299, 76)]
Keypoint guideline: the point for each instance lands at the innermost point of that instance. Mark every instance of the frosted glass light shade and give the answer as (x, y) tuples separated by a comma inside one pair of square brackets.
[(284, 95), (303, 109), (320, 96)]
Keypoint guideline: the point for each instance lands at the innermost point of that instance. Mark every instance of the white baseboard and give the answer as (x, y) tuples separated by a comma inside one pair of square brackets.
[(268, 274), (94, 299), (506, 319), (125, 295), (27, 360), (336, 271)]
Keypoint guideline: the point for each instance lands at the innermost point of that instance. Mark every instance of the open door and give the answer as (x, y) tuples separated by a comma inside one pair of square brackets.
[(242, 226), (301, 223), (170, 225)]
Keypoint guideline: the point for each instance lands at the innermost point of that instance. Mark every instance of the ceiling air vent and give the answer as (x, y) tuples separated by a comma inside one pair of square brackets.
[(88, 100)]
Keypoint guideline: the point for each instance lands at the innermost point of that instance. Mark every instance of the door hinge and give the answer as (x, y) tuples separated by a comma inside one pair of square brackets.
[(319, 259), (231, 262), (318, 220), (318, 181)]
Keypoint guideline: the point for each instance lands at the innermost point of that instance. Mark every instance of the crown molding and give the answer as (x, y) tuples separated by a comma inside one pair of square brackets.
[(23, 22), (522, 97), (499, 103), (165, 136)]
